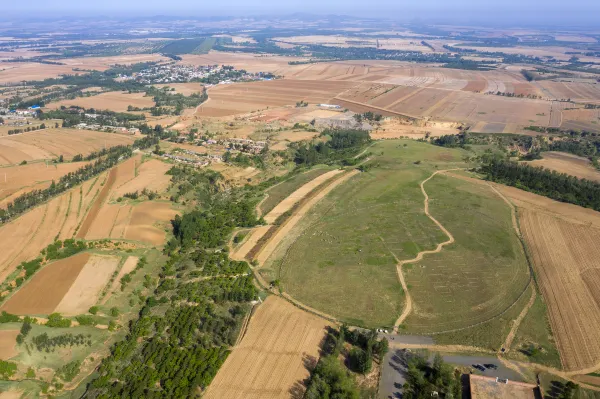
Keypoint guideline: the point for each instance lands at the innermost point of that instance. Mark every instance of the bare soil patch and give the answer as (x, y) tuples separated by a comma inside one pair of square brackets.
[(8, 344), (280, 343), (43, 293)]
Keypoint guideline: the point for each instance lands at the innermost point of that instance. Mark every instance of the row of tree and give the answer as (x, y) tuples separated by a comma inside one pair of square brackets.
[(558, 186)]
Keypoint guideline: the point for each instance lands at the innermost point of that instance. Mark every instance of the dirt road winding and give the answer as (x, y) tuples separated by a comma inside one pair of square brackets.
[(450, 240)]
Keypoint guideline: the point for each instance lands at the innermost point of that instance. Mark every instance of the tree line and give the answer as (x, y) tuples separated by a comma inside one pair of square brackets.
[(33, 198), (552, 184)]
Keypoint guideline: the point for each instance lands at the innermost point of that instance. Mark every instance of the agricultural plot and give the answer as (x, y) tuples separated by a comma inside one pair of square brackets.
[(279, 192), (569, 164), (478, 277), (273, 357), (113, 101), (565, 256), (23, 238), (347, 242), (18, 180), (245, 97), (130, 220), (44, 292), (51, 143)]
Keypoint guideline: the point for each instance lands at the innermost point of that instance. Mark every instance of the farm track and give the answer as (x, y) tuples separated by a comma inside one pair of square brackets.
[(440, 246), (517, 323)]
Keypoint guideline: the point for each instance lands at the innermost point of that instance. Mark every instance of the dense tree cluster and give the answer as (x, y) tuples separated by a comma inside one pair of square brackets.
[(184, 330), (45, 343), (558, 186), (69, 370), (423, 379), (342, 146), (212, 263)]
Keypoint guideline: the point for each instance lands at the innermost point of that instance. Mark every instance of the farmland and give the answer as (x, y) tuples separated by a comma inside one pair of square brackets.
[(282, 190), (279, 345), (565, 258), (68, 285), (51, 143), (569, 164), (17, 180), (112, 101)]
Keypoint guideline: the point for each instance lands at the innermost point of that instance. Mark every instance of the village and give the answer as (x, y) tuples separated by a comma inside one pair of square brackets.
[(209, 74)]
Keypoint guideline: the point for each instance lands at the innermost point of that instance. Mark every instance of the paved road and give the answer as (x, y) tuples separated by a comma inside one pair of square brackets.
[(394, 368)]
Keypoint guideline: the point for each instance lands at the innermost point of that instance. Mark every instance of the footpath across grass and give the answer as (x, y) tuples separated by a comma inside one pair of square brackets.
[(340, 258)]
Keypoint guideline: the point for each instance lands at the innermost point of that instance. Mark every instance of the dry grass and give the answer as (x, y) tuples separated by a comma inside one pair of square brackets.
[(86, 288), (272, 359), (569, 164), (113, 101), (51, 143)]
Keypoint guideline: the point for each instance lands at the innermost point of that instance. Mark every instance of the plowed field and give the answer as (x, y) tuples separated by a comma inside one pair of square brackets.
[(566, 259), (271, 360)]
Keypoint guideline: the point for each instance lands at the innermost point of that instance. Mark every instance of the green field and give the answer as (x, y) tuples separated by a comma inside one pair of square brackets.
[(479, 276), (280, 191), (488, 335), (535, 330), (340, 259)]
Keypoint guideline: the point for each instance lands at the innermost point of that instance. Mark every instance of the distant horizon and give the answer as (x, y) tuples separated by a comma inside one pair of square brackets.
[(507, 13)]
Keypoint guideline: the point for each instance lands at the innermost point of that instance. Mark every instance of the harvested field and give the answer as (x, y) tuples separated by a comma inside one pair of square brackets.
[(97, 205), (142, 227), (18, 180), (51, 143), (565, 257), (279, 192), (86, 288), (569, 164), (186, 89), (286, 204), (42, 294), (8, 344), (23, 71), (245, 97), (151, 175), (113, 101), (271, 360)]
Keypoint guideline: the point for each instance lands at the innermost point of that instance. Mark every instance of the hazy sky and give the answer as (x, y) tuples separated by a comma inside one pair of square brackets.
[(538, 11)]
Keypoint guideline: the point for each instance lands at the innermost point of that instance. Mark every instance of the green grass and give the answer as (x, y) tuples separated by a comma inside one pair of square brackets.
[(489, 335), (535, 330), (477, 277), (339, 259), (548, 381), (279, 192)]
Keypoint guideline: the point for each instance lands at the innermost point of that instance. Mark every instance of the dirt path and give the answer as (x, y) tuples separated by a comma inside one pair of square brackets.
[(517, 322), (513, 213), (408, 305)]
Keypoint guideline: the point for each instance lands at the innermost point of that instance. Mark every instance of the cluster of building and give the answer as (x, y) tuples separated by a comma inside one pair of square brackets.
[(174, 73), (110, 129), (245, 145), (204, 160)]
